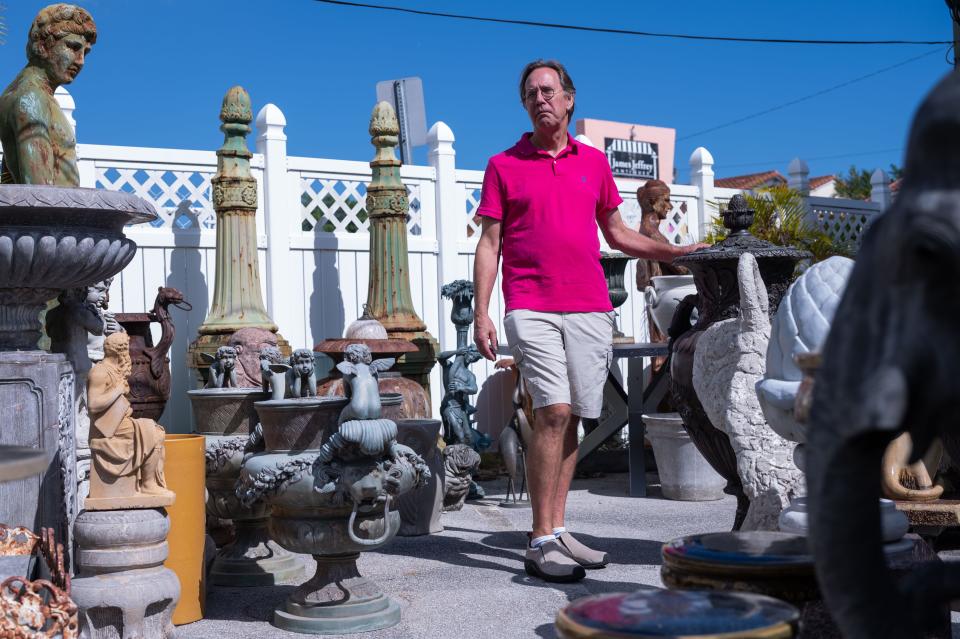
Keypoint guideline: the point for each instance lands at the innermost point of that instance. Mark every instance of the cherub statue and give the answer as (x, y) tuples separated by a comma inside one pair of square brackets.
[(273, 372), (301, 376), (361, 432), (223, 368)]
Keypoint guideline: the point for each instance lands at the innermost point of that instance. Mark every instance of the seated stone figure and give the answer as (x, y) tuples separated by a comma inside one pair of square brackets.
[(128, 453)]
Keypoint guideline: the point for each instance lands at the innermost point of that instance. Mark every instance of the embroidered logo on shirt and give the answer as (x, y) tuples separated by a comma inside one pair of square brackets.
[(583, 178)]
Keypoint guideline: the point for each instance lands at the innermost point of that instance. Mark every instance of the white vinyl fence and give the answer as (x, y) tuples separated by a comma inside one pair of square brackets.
[(314, 245)]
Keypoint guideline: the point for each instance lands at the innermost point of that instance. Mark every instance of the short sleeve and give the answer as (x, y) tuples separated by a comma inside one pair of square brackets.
[(609, 193), (491, 194)]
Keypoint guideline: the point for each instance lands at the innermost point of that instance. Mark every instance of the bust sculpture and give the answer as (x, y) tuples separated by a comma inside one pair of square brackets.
[(39, 145), (654, 200), (128, 453)]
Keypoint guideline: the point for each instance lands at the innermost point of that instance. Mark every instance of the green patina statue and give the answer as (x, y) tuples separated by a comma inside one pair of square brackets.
[(39, 146)]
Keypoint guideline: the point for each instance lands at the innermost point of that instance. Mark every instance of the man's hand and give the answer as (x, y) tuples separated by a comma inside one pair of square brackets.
[(485, 336), (690, 248)]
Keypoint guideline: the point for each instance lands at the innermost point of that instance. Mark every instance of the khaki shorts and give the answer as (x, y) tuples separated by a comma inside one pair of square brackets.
[(563, 357)]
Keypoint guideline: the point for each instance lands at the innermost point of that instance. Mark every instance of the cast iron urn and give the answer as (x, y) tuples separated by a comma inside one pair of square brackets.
[(714, 272)]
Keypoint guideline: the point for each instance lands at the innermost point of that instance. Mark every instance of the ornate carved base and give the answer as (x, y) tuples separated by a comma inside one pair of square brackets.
[(121, 586), (337, 600), (253, 559), (37, 410)]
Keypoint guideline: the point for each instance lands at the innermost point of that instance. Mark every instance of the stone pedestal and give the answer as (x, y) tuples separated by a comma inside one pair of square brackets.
[(420, 508), (37, 408), (121, 586)]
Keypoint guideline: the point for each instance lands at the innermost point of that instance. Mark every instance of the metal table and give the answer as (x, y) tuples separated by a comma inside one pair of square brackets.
[(627, 410)]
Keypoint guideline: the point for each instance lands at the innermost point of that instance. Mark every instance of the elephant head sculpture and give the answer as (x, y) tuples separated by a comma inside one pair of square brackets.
[(890, 365)]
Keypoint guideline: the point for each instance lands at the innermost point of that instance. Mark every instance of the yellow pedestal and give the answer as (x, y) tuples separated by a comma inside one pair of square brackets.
[(185, 472)]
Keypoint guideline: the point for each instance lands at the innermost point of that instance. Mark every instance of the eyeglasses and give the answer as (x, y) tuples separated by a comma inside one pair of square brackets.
[(548, 94)]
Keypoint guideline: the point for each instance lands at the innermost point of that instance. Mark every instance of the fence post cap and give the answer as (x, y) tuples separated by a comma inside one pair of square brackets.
[(700, 156), (270, 116), (797, 166), (440, 132), (879, 178)]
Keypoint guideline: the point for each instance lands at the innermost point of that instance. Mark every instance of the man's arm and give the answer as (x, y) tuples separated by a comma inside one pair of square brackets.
[(485, 264), (622, 238)]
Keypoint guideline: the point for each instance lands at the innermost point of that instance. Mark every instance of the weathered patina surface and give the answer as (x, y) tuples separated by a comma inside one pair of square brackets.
[(38, 142), (388, 296), (237, 316)]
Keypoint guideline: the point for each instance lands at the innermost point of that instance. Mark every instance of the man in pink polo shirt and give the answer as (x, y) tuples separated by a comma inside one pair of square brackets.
[(541, 202)]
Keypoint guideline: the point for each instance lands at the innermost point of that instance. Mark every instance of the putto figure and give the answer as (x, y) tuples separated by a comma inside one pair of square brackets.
[(38, 142), (223, 368), (127, 453), (301, 378)]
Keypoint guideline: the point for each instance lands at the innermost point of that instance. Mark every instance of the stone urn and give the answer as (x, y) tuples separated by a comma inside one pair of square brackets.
[(227, 417), (714, 272), (614, 269), (684, 474), (332, 486), (664, 295), (150, 379)]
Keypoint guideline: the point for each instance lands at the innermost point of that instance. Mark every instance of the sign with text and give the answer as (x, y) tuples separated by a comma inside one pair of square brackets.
[(632, 158)]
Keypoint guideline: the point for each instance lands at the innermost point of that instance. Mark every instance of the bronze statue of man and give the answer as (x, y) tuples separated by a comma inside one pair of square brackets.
[(39, 146)]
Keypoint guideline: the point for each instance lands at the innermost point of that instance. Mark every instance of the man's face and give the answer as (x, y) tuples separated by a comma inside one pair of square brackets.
[(64, 59), (546, 113)]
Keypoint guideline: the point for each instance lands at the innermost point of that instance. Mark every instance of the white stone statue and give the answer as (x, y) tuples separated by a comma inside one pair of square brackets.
[(728, 363), (800, 326)]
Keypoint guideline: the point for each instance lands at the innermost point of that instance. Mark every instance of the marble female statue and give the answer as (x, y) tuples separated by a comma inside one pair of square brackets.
[(128, 453), (39, 145)]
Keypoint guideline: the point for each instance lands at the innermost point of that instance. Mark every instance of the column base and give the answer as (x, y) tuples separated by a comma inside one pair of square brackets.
[(253, 559), (339, 619)]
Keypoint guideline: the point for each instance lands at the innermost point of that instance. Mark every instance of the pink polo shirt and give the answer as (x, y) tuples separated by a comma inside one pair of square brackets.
[(549, 209)]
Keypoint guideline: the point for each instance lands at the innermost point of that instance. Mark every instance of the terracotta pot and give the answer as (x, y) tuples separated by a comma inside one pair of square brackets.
[(184, 469)]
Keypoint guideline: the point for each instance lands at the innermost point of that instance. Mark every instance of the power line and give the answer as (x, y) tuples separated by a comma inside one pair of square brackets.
[(648, 34), (817, 157), (810, 96)]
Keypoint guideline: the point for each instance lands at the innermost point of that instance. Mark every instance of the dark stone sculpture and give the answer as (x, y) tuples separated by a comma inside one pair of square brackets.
[(890, 366), (150, 379), (223, 368), (39, 145), (301, 379), (459, 463), (718, 298), (273, 372), (69, 323), (458, 381)]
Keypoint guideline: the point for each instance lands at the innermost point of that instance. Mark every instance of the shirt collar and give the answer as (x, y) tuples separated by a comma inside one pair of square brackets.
[(526, 147)]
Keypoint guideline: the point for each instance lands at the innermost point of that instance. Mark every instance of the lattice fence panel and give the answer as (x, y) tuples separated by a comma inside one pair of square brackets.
[(674, 227), (331, 205), (846, 227), (182, 198), (474, 225)]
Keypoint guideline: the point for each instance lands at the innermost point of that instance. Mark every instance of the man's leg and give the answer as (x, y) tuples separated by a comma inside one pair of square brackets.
[(568, 465), (545, 465)]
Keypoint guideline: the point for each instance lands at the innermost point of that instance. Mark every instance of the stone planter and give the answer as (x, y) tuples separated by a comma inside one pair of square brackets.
[(663, 297), (226, 417), (684, 473), (332, 505), (420, 509)]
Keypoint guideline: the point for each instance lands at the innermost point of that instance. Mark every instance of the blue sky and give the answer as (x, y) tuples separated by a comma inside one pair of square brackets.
[(160, 68)]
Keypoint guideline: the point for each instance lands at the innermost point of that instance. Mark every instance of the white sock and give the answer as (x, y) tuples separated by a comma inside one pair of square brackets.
[(536, 542), (559, 531)]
